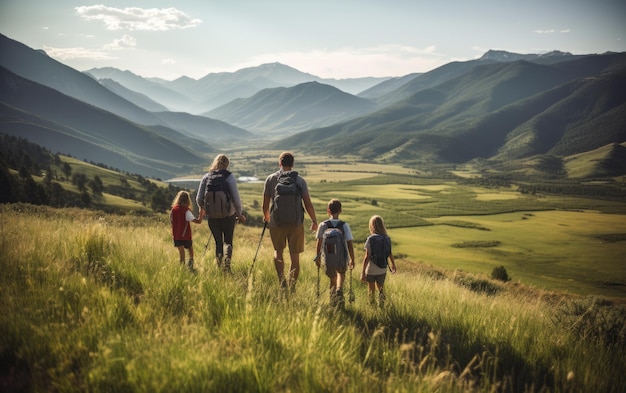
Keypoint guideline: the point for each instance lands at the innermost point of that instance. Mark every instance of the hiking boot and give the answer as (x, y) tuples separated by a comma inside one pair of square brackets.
[(190, 265), (340, 300), (228, 251), (372, 299), (218, 260), (381, 299), (333, 299), (227, 265)]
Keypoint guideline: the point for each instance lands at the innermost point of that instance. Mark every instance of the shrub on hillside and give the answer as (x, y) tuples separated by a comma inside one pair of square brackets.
[(500, 273), (477, 284)]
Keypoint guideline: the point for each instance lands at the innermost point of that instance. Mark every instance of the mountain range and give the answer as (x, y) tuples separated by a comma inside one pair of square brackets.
[(216, 89), (495, 110), (287, 110), (70, 112), (500, 108)]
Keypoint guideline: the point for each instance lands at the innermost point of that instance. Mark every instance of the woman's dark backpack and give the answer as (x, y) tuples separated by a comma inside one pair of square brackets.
[(217, 194)]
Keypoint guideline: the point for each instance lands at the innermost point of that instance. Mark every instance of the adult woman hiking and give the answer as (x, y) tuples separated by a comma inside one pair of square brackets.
[(218, 199)]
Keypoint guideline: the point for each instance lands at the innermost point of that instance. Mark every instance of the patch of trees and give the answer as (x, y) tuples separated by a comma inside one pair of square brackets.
[(606, 189), (22, 161)]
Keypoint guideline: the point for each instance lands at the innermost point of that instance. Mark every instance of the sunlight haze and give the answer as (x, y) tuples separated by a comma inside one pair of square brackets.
[(329, 39)]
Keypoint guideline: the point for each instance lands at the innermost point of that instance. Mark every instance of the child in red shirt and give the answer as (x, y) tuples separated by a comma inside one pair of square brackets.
[(180, 216)]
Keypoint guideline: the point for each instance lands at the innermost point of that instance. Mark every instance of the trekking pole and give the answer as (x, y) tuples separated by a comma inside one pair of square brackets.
[(317, 260), (350, 292), (206, 247), (257, 249)]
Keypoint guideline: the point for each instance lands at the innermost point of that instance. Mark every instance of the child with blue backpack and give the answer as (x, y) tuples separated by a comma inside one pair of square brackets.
[(377, 253), (334, 248)]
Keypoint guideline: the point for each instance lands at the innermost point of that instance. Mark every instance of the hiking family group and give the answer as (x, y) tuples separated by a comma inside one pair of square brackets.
[(285, 199)]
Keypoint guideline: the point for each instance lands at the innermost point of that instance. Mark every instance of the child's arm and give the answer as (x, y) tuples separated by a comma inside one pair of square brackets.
[(190, 217), (393, 264), (366, 260), (351, 253)]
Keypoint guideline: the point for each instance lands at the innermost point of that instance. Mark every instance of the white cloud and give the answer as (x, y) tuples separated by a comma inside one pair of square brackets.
[(168, 61), (123, 43), (134, 18), (77, 53), (126, 42)]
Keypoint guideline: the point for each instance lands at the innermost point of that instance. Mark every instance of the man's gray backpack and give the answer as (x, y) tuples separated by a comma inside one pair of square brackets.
[(334, 248), (287, 204)]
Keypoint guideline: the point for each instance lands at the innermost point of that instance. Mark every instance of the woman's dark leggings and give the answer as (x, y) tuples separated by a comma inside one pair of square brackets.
[(222, 230)]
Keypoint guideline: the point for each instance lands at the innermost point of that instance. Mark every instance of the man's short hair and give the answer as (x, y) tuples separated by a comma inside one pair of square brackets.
[(286, 159)]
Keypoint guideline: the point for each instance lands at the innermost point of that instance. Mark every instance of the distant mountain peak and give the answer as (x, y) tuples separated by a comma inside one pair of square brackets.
[(502, 55), (493, 54), (273, 65), (555, 53)]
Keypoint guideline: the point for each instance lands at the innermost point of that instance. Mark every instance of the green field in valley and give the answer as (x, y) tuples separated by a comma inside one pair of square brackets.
[(554, 242)]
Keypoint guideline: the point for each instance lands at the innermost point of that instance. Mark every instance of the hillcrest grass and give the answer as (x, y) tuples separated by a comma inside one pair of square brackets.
[(94, 302)]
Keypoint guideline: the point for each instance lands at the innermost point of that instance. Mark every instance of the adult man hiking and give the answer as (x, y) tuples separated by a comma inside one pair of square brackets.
[(287, 190)]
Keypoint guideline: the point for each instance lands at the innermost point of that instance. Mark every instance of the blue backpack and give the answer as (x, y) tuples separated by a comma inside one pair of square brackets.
[(380, 249)]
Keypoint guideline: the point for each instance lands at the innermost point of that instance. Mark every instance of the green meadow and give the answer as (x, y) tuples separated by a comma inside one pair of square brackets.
[(553, 242), (98, 302)]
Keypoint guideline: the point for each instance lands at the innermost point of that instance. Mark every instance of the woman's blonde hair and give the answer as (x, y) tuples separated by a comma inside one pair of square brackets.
[(220, 162), (182, 199), (377, 225)]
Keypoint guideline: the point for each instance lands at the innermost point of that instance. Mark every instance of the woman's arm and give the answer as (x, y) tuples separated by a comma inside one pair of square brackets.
[(235, 198)]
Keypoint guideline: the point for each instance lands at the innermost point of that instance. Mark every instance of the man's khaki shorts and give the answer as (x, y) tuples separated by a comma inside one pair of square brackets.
[(292, 235)]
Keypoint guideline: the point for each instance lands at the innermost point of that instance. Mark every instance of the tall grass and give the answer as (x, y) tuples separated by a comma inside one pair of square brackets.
[(95, 302)]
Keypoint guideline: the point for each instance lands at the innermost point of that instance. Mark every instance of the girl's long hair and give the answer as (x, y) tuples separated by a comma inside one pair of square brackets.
[(220, 162), (181, 199), (377, 225)]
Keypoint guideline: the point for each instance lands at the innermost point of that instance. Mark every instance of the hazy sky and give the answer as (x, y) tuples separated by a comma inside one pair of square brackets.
[(327, 38)]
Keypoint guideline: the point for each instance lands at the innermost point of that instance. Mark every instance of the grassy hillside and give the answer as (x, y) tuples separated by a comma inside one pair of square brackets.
[(607, 160), (98, 302), (32, 174), (95, 302)]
